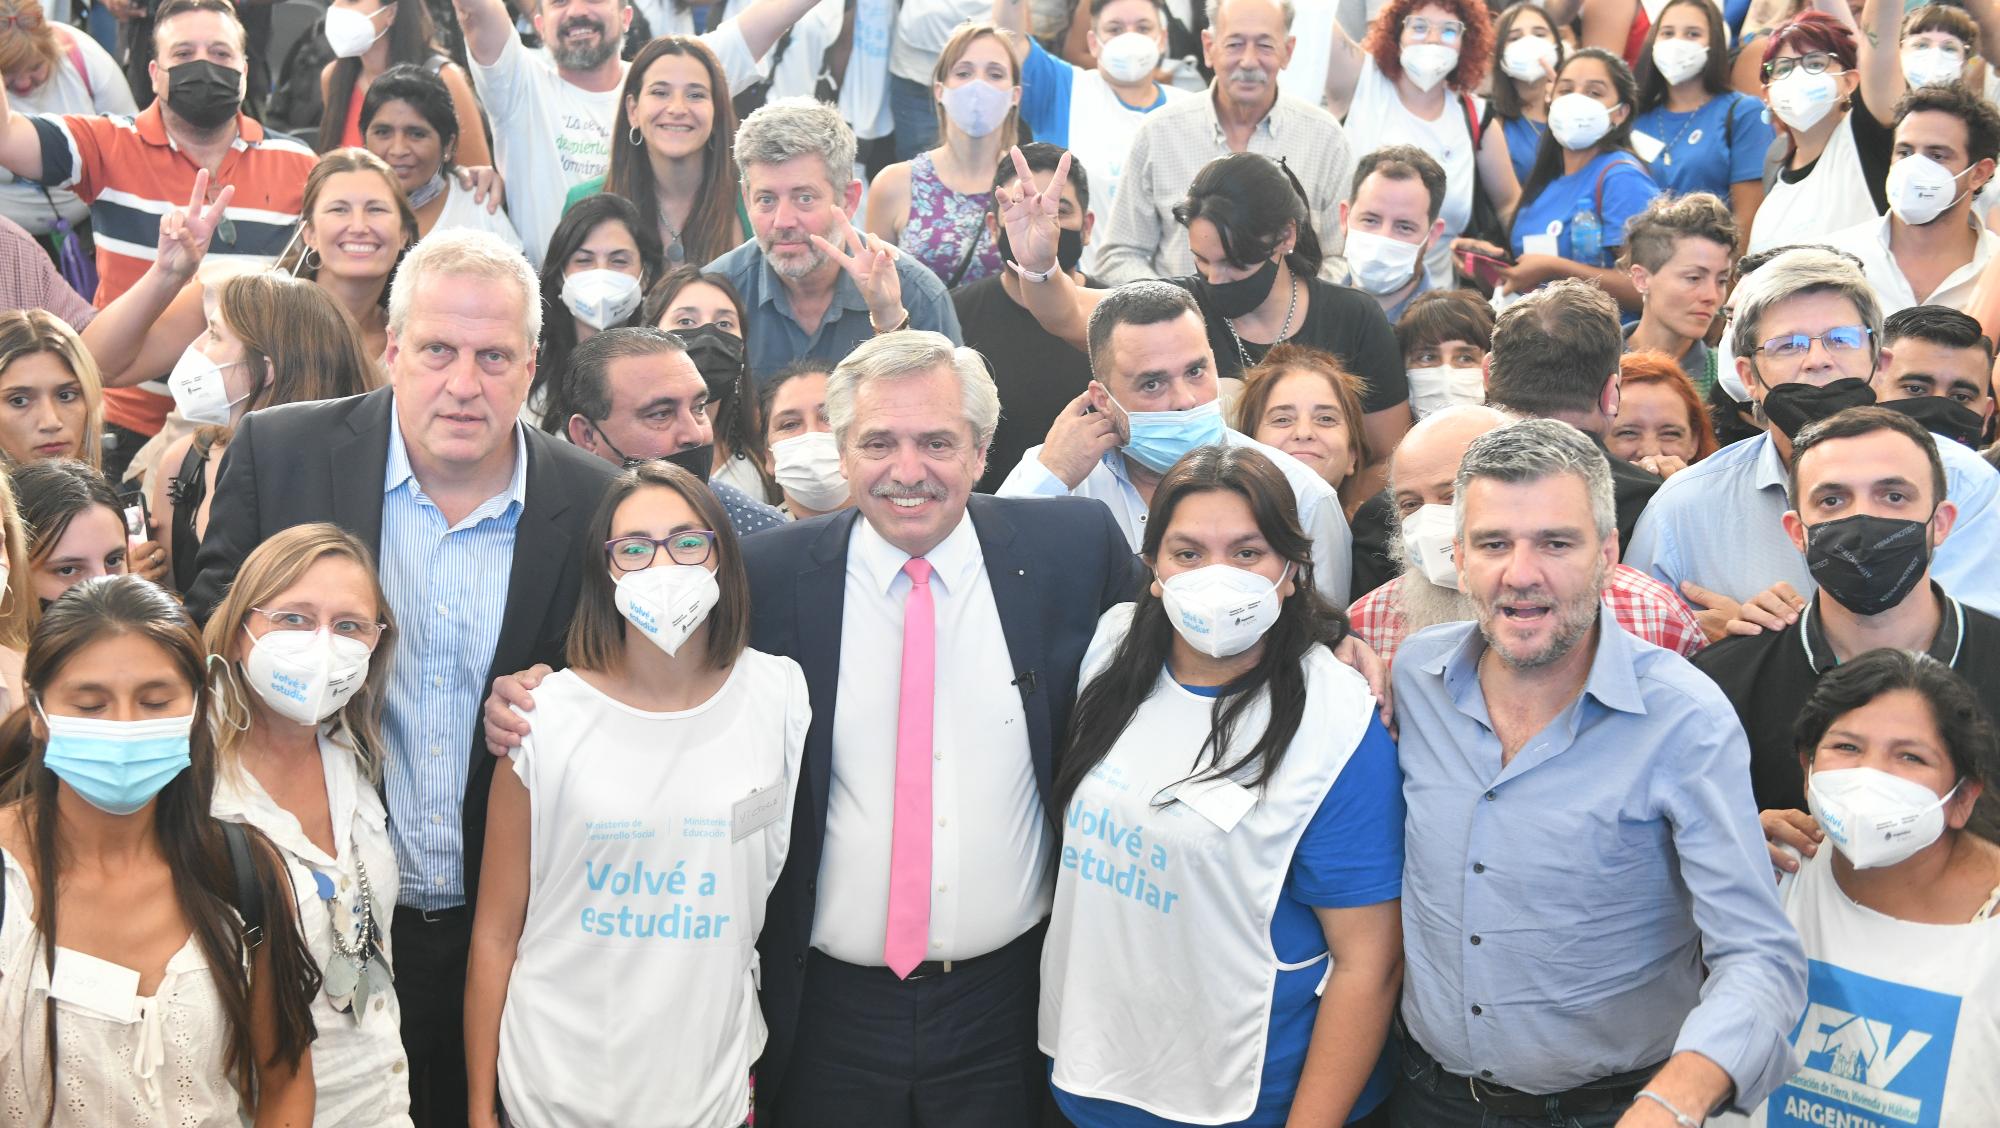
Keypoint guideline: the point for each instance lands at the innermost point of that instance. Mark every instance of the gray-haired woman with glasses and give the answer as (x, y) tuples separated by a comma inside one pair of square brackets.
[(303, 640), (630, 850)]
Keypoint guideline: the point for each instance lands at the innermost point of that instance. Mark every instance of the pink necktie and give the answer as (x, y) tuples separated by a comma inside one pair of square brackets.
[(910, 836)]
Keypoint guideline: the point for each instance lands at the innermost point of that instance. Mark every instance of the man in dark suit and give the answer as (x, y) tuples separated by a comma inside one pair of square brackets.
[(474, 521), (941, 635)]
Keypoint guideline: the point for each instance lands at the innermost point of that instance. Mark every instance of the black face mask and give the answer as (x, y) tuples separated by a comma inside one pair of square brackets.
[(204, 94), (1069, 248), (1942, 416), (1238, 298), (695, 460), (1793, 407), (717, 355), (1868, 564)]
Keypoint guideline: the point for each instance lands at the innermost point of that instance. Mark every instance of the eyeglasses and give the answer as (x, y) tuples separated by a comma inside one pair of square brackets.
[(1838, 340), (360, 630), (1815, 62), (1420, 27), (635, 554)]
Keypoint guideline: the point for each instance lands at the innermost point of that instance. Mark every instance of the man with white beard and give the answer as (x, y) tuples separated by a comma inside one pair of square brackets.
[(1428, 592)]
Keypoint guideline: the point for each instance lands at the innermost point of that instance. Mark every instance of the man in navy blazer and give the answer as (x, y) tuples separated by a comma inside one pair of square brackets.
[(1018, 587)]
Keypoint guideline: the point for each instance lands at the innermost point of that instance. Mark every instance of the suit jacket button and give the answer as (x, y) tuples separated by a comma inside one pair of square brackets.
[(799, 962)]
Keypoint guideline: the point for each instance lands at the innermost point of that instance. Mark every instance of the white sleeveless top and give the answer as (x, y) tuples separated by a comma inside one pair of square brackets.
[(158, 1065), (654, 841), (1833, 196), (361, 1077), (1162, 918), (1902, 1020), (1376, 117)]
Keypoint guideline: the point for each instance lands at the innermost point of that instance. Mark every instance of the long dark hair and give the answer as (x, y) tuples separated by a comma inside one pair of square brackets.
[(1714, 77), (412, 39), (558, 325), (422, 91), (1251, 199), (1963, 723), (1111, 699), (189, 839), (711, 226), (1549, 157), (52, 493), (1506, 100)]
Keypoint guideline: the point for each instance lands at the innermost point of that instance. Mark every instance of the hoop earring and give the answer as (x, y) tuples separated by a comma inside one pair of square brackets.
[(636, 137), (311, 259)]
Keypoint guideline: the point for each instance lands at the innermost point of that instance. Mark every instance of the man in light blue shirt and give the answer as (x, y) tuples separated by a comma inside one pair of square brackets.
[(812, 284), (1591, 932), (1806, 338)]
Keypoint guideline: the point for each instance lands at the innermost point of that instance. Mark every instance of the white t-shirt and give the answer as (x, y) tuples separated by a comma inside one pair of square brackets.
[(654, 840), (461, 210), (923, 27), (100, 89), (550, 136), (1833, 196), (1902, 1020)]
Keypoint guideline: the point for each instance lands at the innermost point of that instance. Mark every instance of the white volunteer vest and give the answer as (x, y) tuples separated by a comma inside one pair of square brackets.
[(1832, 197), (1902, 1020), (1158, 969)]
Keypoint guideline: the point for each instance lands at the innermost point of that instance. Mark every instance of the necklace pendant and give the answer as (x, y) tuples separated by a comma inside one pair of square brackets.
[(1668, 160), (676, 252)]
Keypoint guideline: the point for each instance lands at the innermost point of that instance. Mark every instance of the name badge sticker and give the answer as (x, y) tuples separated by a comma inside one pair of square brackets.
[(1541, 244), (755, 811), (1223, 802), (98, 986)]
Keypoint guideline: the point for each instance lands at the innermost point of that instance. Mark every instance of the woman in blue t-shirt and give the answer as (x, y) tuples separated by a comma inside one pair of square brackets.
[(1586, 183), (1529, 53), (1226, 940), (1712, 138)]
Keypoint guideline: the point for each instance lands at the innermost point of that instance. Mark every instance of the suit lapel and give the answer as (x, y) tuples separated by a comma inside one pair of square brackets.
[(357, 490), (819, 604), (541, 545), (1015, 579)]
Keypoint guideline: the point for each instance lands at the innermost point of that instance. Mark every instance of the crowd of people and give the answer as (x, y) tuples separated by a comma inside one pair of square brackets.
[(999, 563)]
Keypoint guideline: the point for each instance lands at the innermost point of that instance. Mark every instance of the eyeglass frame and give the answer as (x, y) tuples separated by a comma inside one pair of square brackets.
[(1867, 337), (1796, 62), (1450, 32), (381, 628), (611, 554)]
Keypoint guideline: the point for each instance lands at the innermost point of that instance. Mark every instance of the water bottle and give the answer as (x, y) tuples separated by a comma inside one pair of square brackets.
[(1586, 237)]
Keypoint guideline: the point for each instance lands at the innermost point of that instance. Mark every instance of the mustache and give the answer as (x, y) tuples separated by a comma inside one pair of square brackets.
[(1249, 74), (929, 490), (591, 22)]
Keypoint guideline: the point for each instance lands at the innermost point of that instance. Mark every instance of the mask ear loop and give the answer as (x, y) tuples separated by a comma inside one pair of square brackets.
[(221, 684)]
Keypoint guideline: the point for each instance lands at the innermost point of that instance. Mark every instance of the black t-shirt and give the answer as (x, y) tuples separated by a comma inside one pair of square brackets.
[(1038, 374), (1340, 320), (1632, 486), (1769, 676), (1874, 144), (1373, 524)]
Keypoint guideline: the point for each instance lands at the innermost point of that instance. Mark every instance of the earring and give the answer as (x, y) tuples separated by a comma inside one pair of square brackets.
[(311, 260), (637, 138)]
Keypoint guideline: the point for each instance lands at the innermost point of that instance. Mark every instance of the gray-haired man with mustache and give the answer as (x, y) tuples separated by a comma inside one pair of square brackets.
[(1247, 43)]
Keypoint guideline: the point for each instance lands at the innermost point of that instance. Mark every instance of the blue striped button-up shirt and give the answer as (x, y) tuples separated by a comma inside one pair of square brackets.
[(1602, 901), (448, 587)]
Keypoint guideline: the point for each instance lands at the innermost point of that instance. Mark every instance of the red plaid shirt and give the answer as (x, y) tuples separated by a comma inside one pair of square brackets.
[(1642, 605)]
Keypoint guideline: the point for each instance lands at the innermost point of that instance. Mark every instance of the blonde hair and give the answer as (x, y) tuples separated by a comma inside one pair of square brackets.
[(27, 332), (20, 611), (30, 41), (955, 48), (273, 567)]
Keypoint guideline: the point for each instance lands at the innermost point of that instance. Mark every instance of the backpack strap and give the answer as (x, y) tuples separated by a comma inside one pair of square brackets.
[(75, 54), (1472, 123), (1597, 193), (249, 899)]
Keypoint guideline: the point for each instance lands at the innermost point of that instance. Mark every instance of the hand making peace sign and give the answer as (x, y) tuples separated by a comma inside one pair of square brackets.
[(1030, 215), (186, 232), (872, 264)]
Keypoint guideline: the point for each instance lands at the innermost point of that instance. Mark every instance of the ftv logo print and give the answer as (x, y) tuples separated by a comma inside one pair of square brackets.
[(1874, 1054)]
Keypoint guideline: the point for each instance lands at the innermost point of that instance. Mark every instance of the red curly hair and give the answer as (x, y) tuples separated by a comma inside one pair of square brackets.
[(1813, 31), (1475, 47), (1650, 366)]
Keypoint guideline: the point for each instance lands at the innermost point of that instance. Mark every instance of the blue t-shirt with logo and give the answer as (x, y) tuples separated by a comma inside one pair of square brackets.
[(1626, 190), (1722, 143)]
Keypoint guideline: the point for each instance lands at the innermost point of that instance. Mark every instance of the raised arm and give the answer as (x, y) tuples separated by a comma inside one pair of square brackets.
[(1343, 71), (20, 146), (1986, 13), (144, 331), (487, 26), (1012, 15), (763, 22), (1880, 57), (1062, 307)]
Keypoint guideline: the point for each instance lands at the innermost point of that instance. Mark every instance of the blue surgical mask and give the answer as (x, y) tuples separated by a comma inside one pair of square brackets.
[(116, 766), (1160, 438)]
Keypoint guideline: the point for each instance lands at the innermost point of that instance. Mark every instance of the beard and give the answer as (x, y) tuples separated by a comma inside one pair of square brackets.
[(582, 56), (1424, 604), (792, 265), (1573, 619)]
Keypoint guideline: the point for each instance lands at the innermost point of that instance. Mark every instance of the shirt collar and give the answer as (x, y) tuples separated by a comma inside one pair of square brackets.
[(397, 469), (152, 129), (952, 562), (1944, 646), (1612, 679), (846, 295), (1769, 467), (1268, 124)]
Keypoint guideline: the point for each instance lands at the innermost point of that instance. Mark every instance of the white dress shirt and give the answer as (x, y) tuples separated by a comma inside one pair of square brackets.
[(990, 844), (1869, 242), (1110, 481)]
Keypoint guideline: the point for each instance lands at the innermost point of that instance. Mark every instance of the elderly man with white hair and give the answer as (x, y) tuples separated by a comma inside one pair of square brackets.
[(474, 521), (1421, 479)]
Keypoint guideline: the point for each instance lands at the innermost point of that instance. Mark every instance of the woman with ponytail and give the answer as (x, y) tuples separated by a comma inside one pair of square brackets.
[(151, 952)]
